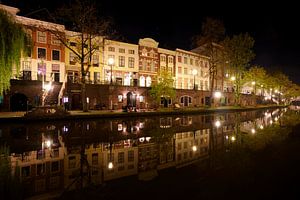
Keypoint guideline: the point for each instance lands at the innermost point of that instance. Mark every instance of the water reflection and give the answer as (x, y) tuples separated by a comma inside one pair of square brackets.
[(62, 156)]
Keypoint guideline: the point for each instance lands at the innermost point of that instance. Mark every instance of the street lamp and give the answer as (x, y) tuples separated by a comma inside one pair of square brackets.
[(111, 61), (194, 72)]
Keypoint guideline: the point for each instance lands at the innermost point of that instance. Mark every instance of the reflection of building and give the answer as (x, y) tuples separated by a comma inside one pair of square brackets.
[(148, 158), (41, 170), (190, 146), (124, 156)]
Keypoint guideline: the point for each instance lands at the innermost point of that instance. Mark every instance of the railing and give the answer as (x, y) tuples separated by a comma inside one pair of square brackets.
[(61, 92)]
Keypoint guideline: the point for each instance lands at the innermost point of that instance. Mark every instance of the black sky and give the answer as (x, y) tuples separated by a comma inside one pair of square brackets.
[(274, 26)]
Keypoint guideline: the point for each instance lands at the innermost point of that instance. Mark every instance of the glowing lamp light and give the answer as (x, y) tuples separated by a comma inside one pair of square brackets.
[(111, 61), (194, 72), (232, 138), (276, 119), (110, 165), (217, 94), (232, 78), (261, 127), (48, 143), (271, 121), (194, 148), (253, 131), (47, 87), (218, 124), (253, 83)]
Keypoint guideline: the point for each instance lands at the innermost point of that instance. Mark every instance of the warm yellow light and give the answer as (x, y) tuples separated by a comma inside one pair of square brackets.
[(48, 143), (261, 127), (110, 165), (111, 61), (217, 94), (232, 78), (194, 148), (194, 72), (232, 138), (253, 82), (48, 87), (276, 119), (253, 131), (218, 124)]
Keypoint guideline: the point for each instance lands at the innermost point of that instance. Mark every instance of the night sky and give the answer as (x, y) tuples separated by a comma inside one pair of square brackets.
[(273, 26)]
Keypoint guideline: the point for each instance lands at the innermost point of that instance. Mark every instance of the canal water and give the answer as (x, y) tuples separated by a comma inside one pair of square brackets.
[(253, 154)]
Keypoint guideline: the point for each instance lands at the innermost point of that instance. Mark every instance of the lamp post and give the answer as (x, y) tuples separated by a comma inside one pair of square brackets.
[(111, 61), (194, 72)]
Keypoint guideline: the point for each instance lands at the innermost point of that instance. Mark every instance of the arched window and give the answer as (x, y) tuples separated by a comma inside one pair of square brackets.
[(148, 81), (142, 81)]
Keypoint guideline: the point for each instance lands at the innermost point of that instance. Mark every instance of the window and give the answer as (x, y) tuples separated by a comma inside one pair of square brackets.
[(40, 169), (130, 156), (26, 75), (191, 61), (179, 59), (142, 99), (185, 60), (73, 44), (55, 55), (179, 70), (41, 37), (42, 53), (55, 72), (148, 81), (94, 158), (26, 65), (26, 171), (142, 81), (131, 62), (185, 71), (130, 51), (120, 98), (170, 59), (121, 50), (96, 77), (111, 49), (95, 60), (179, 146), (162, 58), (121, 157), (54, 40), (72, 58), (121, 61), (55, 166)]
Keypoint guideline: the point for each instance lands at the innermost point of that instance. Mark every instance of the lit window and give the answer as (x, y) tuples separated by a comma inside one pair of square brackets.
[(120, 98), (111, 49), (142, 98)]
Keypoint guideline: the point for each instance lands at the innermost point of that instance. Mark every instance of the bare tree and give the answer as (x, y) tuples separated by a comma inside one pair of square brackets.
[(212, 33), (87, 31)]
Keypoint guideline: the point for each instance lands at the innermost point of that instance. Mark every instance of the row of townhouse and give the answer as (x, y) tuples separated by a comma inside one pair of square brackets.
[(136, 65)]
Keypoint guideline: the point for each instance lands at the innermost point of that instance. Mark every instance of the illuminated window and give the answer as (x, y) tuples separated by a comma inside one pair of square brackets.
[(179, 70), (142, 98), (131, 62), (111, 49), (142, 81), (185, 60), (120, 98), (148, 81), (162, 58), (121, 50), (170, 59), (130, 51), (121, 61)]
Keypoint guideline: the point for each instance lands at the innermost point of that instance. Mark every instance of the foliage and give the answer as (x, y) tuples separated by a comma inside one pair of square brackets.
[(163, 87), (13, 42), (238, 52)]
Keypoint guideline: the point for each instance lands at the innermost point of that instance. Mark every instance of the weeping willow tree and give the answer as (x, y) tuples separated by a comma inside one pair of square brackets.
[(14, 41)]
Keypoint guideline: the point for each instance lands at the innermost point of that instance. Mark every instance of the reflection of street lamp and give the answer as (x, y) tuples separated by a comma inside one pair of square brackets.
[(194, 72), (111, 61)]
